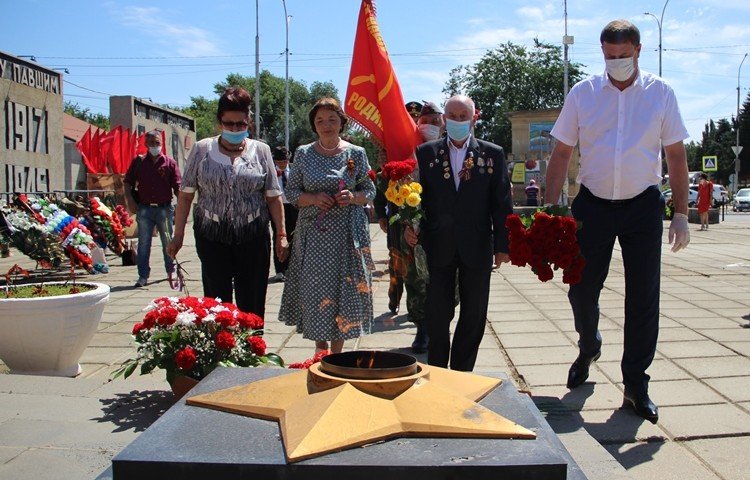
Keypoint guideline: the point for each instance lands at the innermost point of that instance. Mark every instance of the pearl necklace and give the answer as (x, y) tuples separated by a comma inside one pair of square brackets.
[(338, 144)]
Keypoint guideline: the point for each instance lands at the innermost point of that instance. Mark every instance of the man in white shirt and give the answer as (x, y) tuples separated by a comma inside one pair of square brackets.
[(621, 119)]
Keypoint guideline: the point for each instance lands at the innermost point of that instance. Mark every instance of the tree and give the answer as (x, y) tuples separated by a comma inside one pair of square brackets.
[(203, 111), (96, 119), (509, 78), (744, 123), (717, 139), (272, 108)]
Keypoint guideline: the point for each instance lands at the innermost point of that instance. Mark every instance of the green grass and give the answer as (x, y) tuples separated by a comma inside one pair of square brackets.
[(41, 290)]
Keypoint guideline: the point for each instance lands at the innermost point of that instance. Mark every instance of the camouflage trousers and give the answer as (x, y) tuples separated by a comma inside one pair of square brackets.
[(404, 276)]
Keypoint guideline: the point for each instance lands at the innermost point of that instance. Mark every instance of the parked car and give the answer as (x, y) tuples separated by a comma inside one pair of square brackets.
[(720, 194), (741, 201), (692, 197)]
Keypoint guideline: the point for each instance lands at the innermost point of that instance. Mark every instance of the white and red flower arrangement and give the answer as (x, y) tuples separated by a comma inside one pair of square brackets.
[(109, 223), (546, 241), (191, 336)]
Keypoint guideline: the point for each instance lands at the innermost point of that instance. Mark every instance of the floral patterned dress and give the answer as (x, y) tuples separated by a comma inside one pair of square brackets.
[(328, 290)]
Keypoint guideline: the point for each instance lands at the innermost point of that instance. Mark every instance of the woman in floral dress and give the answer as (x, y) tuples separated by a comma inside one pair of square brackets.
[(328, 291)]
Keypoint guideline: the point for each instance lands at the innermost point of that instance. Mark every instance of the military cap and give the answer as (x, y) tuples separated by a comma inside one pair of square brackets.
[(414, 109), (429, 108)]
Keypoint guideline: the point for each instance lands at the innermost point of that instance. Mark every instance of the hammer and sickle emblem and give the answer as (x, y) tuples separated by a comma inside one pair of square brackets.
[(362, 79), (371, 78)]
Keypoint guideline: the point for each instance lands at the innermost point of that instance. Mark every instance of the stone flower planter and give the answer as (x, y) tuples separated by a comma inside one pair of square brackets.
[(47, 335)]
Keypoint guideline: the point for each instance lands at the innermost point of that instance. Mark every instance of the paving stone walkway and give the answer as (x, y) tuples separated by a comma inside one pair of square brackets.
[(53, 428)]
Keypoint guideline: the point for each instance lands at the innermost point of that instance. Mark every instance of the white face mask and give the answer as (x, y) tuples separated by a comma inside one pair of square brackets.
[(620, 69), (154, 151), (429, 131)]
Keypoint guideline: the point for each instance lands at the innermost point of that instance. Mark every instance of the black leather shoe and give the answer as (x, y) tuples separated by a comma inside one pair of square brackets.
[(393, 308), (421, 340), (642, 405), (579, 371)]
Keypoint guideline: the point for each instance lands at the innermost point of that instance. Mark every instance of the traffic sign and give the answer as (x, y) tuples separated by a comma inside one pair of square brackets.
[(710, 163), (737, 150)]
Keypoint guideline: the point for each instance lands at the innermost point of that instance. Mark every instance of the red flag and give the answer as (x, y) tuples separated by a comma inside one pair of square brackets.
[(141, 148), (373, 95), (132, 147), (84, 147), (124, 153), (96, 156), (105, 147), (116, 150)]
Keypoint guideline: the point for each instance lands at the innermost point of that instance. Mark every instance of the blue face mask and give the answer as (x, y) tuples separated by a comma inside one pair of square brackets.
[(458, 131), (234, 137)]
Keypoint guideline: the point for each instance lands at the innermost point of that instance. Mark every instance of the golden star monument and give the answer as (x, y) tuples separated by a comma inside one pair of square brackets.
[(319, 413)]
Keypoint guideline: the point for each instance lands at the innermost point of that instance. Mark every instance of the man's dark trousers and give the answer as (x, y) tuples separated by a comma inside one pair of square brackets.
[(637, 224), (290, 223), (474, 290)]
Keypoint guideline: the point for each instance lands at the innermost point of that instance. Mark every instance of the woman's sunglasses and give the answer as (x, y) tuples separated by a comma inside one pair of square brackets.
[(242, 124)]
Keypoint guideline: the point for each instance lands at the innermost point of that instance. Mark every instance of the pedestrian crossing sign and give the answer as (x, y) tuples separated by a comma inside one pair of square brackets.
[(710, 163)]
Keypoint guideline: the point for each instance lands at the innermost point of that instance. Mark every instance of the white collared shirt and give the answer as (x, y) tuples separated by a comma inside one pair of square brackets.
[(620, 132), (457, 156)]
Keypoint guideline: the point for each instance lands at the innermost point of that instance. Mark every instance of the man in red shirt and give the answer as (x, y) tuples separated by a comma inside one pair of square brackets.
[(150, 183)]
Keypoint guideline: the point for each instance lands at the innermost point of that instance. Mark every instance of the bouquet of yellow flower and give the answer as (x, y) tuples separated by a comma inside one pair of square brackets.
[(406, 194), (403, 191)]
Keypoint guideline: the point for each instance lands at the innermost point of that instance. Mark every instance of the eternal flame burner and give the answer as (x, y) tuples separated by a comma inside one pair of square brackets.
[(321, 412)]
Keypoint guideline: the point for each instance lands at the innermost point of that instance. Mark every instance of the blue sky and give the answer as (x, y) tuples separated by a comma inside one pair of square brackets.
[(109, 46)]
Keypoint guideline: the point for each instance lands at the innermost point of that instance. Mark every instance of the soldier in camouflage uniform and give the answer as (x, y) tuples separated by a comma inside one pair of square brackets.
[(402, 267)]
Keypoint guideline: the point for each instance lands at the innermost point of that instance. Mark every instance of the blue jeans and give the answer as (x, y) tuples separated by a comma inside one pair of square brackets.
[(149, 217)]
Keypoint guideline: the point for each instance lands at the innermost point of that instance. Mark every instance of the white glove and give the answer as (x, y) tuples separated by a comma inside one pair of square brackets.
[(678, 232)]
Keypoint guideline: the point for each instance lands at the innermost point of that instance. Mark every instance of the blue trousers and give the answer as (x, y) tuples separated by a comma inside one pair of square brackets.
[(149, 217), (637, 225)]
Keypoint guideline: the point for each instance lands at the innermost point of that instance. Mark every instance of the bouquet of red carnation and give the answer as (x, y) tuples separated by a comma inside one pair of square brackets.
[(191, 336), (546, 241), (396, 170), (310, 361), (123, 216)]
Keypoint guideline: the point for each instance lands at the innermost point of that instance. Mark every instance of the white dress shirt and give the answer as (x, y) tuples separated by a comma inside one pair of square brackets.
[(457, 156), (620, 132)]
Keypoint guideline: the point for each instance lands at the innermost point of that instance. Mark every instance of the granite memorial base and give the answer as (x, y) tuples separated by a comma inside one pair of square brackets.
[(191, 442)]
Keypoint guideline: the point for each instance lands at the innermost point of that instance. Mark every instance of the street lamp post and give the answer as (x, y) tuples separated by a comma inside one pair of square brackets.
[(257, 74), (737, 149), (659, 23), (286, 80)]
